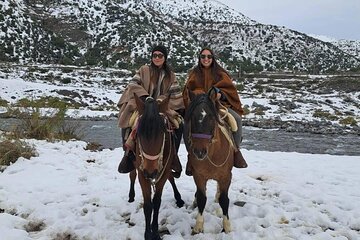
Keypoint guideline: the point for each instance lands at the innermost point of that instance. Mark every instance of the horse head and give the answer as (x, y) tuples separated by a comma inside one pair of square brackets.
[(151, 135), (201, 119)]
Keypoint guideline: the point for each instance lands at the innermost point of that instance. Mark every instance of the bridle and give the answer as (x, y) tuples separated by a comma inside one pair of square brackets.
[(159, 157), (211, 139)]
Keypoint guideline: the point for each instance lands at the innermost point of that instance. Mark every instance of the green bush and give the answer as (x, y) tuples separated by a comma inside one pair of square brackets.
[(246, 110), (240, 87), (258, 111), (325, 114), (65, 80), (348, 121), (51, 102)]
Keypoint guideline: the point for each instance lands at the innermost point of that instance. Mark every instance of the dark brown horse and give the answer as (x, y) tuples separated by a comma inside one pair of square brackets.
[(154, 151), (211, 153)]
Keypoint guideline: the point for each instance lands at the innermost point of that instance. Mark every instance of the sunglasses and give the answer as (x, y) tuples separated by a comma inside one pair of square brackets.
[(203, 56), (160, 56)]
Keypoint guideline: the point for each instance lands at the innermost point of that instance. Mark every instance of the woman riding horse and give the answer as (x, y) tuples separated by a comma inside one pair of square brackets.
[(156, 80), (207, 74)]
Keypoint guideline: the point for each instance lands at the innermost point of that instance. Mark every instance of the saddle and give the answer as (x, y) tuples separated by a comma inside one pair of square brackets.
[(228, 118), (229, 126), (174, 120)]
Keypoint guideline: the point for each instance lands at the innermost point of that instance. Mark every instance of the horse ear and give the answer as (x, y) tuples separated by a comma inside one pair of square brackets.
[(212, 93), (139, 104)]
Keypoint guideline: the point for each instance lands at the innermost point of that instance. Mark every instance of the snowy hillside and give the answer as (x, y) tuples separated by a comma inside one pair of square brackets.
[(120, 34)]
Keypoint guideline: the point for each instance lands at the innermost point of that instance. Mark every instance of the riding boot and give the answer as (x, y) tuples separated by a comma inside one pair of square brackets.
[(239, 161), (126, 165), (188, 170), (176, 167)]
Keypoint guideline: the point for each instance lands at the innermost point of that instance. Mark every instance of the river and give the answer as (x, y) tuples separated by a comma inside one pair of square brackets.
[(108, 135)]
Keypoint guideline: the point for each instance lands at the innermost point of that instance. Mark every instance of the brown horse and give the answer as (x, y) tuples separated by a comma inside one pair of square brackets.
[(154, 151), (210, 153)]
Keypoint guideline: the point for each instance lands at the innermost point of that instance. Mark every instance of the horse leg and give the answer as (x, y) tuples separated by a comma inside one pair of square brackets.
[(201, 201), (148, 206), (224, 204), (156, 203), (177, 196), (132, 176)]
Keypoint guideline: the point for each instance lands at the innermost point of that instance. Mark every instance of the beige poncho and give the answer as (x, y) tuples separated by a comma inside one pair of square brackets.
[(142, 86)]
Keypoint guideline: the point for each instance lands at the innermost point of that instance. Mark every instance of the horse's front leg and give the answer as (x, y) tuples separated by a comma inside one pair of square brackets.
[(224, 203), (156, 204), (177, 195), (132, 176), (148, 206), (201, 202)]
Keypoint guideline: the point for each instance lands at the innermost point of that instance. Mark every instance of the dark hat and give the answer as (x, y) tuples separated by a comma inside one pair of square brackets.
[(161, 49)]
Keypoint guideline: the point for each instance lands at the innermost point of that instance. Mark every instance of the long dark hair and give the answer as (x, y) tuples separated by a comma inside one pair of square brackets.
[(215, 68), (155, 71)]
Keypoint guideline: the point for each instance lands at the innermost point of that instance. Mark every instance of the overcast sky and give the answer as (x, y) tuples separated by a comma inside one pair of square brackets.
[(339, 19)]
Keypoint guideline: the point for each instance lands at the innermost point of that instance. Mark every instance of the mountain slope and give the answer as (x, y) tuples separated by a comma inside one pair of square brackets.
[(120, 33)]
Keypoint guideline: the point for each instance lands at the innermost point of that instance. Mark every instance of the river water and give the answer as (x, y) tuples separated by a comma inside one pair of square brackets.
[(108, 135)]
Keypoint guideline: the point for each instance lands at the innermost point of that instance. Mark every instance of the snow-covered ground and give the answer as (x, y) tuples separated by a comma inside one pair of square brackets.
[(67, 192)]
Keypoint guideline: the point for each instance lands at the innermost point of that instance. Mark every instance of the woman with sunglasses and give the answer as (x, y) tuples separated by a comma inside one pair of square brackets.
[(209, 74), (156, 80)]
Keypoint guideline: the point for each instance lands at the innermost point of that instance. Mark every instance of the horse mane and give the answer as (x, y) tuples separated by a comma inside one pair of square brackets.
[(201, 98), (150, 123)]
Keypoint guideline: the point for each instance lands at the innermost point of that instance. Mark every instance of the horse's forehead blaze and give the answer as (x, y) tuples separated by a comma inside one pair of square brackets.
[(203, 115)]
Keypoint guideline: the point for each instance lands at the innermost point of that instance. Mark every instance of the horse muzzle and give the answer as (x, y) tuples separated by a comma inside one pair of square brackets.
[(151, 176)]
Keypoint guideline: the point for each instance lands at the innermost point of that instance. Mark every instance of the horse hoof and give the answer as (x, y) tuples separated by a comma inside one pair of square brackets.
[(195, 232), (180, 203), (131, 200), (156, 237), (152, 236)]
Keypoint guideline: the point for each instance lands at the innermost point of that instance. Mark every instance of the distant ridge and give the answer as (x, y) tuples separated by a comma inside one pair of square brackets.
[(120, 34)]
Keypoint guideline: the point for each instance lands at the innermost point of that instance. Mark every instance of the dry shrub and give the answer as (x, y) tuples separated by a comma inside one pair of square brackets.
[(10, 151), (35, 226), (34, 125), (93, 146), (65, 236), (68, 131)]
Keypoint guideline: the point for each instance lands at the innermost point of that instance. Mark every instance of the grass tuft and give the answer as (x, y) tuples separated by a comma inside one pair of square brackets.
[(10, 151)]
